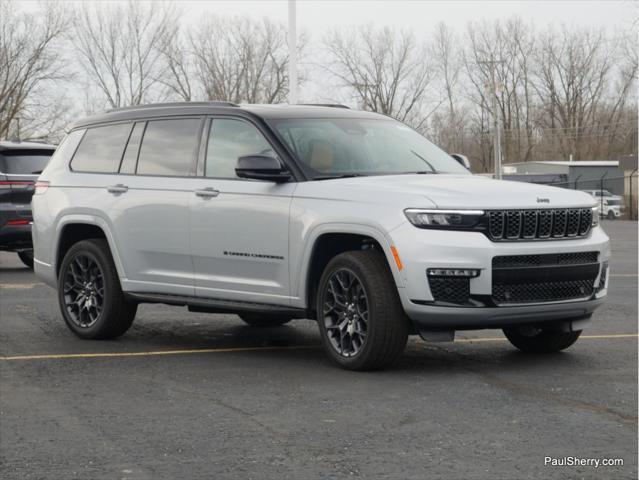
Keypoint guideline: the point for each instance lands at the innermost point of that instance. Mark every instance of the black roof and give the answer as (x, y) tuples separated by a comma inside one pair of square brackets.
[(270, 111)]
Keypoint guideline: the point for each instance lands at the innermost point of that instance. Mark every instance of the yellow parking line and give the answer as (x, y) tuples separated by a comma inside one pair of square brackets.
[(147, 354), (20, 286), (57, 356), (591, 337)]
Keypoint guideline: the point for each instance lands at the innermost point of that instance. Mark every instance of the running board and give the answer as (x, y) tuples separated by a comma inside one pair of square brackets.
[(216, 305)]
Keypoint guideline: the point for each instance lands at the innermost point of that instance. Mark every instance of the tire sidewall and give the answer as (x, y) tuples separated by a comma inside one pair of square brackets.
[(93, 251), (341, 263)]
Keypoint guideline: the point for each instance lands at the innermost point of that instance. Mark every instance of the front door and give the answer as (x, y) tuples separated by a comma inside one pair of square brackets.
[(239, 227)]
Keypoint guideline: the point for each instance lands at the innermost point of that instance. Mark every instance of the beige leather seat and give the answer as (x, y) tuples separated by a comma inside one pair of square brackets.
[(321, 155)]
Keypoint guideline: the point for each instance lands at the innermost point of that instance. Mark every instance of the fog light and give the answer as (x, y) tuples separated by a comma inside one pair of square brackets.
[(453, 272)]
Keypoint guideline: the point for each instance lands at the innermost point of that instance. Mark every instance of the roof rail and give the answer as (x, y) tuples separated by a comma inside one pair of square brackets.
[(213, 103), (332, 105)]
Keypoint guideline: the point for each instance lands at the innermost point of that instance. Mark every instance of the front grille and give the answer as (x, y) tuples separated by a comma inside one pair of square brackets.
[(449, 290), (514, 261), (513, 225), (544, 278), (542, 292)]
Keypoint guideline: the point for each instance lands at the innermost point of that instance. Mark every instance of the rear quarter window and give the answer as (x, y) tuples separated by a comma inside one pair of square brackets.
[(101, 149)]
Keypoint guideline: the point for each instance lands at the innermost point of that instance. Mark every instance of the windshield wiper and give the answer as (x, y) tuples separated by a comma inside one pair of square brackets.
[(343, 175), (432, 169)]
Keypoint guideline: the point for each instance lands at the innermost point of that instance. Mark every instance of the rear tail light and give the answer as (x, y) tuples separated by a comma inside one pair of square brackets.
[(41, 187), (9, 185), (15, 223)]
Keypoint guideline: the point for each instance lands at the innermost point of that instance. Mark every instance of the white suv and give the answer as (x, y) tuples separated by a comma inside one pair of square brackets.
[(282, 212)]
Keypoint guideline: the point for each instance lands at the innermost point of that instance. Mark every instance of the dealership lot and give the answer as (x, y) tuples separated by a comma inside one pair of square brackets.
[(185, 395)]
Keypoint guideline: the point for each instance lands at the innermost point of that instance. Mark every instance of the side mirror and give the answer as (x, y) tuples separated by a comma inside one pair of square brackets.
[(462, 160), (261, 167)]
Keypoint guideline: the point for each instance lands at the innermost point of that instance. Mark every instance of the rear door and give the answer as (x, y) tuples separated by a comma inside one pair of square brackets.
[(150, 205)]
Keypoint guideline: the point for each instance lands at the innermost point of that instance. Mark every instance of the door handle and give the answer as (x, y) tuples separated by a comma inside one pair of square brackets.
[(119, 188), (207, 192)]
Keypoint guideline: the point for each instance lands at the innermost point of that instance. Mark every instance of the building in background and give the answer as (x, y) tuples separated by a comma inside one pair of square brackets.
[(578, 175)]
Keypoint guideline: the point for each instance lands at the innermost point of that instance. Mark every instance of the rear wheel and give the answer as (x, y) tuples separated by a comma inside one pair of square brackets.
[(539, 340), (89, 292), (611, 215), (264, 320), (27, 258), (361, 319)]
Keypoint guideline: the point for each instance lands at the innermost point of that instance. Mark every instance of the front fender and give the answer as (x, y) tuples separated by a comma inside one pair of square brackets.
[(300, 269)]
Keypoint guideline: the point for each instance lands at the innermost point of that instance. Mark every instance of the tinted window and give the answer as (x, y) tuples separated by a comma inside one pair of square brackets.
[(24, 162), (168, 147), (101, 149), (228, 140), (130, 158)]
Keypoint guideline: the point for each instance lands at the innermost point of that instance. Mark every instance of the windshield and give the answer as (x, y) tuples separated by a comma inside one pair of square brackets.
[(334, 147), (24, 163)]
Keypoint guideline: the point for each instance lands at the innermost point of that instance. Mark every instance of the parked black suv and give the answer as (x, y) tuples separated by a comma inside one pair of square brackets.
[(20, 165)]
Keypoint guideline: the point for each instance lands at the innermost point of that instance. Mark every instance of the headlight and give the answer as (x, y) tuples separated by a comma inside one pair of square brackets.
[(452, 219), (595, 216)]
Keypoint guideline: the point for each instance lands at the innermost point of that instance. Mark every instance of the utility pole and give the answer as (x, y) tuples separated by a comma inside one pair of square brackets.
[(292, 53), (496, 117)]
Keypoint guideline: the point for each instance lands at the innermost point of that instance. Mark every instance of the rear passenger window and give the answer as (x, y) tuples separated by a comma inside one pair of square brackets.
[(130, 158), (101, 149), (169, 147)]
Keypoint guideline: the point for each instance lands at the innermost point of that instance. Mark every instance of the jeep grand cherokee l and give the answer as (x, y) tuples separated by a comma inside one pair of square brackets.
[(280, 212), (20, 165)]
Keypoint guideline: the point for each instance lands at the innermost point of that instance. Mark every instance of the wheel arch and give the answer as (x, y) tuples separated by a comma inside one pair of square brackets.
[(327, 241), (74, 228)]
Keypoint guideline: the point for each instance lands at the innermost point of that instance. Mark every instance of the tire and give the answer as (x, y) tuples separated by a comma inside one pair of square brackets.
[(611, 215), (534, 340), (27, 258), (263, 320), (377, 326), (89, 292)]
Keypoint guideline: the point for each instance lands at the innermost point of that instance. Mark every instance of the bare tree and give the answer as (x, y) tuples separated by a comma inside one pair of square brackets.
[(385, 69), (28, 62), (178, 74), (118, 48), (448, 123), (241, 60), (498, 63)]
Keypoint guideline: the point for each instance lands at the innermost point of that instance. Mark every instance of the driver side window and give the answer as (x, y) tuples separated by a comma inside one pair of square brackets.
[(228, 140)]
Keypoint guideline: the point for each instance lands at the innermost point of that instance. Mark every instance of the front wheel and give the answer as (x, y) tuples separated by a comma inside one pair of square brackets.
[(89, 292), (539, 340), (27, 258), (611, 215), (361, 320)]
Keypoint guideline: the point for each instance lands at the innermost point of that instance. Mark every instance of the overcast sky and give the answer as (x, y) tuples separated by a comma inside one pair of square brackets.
[(317, 15)]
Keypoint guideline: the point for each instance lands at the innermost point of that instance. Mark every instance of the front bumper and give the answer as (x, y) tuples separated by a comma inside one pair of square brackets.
[(421, 249)]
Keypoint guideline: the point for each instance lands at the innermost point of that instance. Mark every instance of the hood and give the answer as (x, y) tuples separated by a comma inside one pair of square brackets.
[(462, 191)]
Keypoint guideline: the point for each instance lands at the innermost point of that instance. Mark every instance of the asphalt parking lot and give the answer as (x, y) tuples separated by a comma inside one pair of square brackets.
[(185, 395)]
